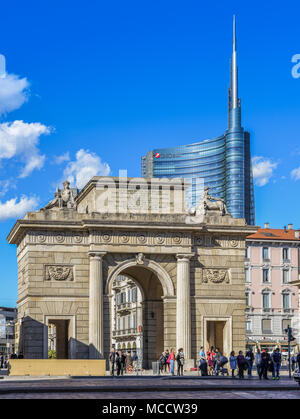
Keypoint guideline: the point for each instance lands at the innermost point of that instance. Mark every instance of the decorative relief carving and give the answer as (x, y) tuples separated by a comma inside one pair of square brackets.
[(41, 238), (124, 237), (215, 276), (59, 272), (159, 238), (177, 239), (60, 237), (141, 238), (77, 238), (233, 243), (106, 237), (140, 259)]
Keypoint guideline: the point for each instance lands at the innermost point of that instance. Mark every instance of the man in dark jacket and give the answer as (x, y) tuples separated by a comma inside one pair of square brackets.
[(298, 361), (112, 360), (249, 358), (265, 362), (276, 359)]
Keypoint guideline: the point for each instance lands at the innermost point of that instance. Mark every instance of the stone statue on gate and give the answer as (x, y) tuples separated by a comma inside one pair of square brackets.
[(64, 198), (206, 205)]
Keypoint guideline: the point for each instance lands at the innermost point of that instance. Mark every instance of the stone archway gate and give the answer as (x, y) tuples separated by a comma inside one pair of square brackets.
[(68, 255)]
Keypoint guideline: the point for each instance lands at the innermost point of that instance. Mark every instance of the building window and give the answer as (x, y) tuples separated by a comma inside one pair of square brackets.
[(248, 325), (123, 323), (266, 300), (119, 323), (247, 252), (265, 253), (247, 275), (128, 296), (129, 322), (266, 275), (248, 301), (285, 276), (134, 321), (266, 326), (286, 300), (285, 253), (134, 295)]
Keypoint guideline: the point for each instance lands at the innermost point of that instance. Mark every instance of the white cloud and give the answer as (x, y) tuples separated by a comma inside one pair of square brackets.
[(295, 174), (14, 209), (86, 165), (60, 159), (263, 169), (13, 92), (19, 139)]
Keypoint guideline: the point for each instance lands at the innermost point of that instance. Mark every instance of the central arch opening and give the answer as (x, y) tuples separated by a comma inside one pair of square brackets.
[(137, 314)]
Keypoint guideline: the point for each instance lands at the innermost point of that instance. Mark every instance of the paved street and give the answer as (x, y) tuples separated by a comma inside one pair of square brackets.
[(147, 387)]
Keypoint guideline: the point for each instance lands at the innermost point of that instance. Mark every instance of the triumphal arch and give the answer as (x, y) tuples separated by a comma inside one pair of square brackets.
[(188, 264)]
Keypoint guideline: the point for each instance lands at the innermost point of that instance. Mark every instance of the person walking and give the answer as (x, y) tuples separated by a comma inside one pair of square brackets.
[(298, 361), (249, 358), (265, 363), (162, 362), (123, 362), (217, 359), (242, 364), (180, 361), (210, 360), (167, 358), (258, 361), (118, 361), (233, 363), (276, 359), (112, 360), (1, 360), (172, 361), (134, 361), (202, 362)]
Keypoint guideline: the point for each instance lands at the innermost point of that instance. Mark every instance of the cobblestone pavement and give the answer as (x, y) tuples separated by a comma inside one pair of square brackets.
[(194, 395)]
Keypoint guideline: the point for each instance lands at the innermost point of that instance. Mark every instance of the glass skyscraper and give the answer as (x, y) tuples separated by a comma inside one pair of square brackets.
[(222, 163)]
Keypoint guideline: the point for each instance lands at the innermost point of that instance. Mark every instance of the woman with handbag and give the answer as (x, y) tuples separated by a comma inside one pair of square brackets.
[(172, 361)]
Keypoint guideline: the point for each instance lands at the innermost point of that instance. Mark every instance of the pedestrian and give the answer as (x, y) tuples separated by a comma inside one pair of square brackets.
[(134, 361), (1, 360), (276, 359), (112, 360), (249, 358), (298, 361), (265, 364), (233, 363), (162, 362), (13, 356), (123, 362), (210, 360), (217, 359), (167, 358), (180, 361), (258, 361), (202, 362), (118, 361), (294, 360), (172, 361), (242, 364), (129, 359)]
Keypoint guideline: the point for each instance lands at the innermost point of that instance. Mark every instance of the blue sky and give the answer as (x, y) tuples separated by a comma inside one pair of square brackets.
[(91, 86)]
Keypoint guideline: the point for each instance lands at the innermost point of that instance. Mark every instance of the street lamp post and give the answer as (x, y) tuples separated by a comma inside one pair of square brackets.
[(288, 330)]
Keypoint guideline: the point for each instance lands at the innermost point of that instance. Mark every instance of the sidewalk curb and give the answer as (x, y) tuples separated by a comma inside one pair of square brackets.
[(140, 389)]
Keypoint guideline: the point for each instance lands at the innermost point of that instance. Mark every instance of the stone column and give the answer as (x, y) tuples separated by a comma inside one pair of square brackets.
[(96, 332), (183, 305)]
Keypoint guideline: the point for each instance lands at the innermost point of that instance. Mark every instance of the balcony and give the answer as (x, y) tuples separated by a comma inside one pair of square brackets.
[(124, 308), (125, 332)]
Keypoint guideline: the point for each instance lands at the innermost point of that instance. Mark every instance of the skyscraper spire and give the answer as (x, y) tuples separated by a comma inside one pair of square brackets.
[(234, 71)]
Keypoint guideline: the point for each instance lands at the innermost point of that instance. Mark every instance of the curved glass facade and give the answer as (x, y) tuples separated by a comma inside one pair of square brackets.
[(222, 163)]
